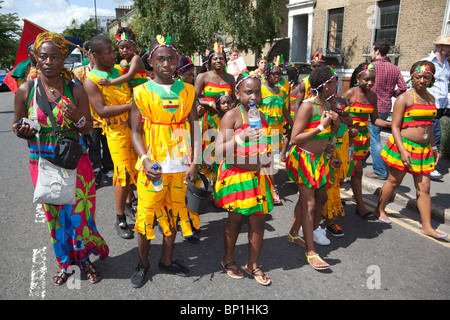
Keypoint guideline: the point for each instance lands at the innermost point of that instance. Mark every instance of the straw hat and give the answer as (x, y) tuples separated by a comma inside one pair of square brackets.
[(445, 40)]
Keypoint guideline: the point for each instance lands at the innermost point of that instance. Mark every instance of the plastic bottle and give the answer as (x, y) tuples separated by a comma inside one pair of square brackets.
[(350, 153), (254, 119), (157, 185)]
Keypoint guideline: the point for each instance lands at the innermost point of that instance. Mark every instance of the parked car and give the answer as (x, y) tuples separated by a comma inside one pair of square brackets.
[(3, 73)]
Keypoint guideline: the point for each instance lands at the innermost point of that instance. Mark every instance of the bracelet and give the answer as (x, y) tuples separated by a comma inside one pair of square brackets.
[(239, 141), (434, 148), (321, 128), (144, 157), (211, 103), (80, 123)]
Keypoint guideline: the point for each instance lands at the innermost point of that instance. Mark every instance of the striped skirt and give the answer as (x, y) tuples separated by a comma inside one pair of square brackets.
[(361, 145), (312, 170), (242, 191), (421, 155)]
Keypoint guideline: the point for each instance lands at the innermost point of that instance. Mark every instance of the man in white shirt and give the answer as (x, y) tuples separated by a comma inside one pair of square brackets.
[(440, 88)]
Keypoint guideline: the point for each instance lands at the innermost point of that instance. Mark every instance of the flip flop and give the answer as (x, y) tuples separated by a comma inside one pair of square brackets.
[(292, 239), (232, 272), (317, 257), (260, 276)]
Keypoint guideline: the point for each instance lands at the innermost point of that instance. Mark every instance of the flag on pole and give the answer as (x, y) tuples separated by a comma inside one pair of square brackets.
[(29, 33)]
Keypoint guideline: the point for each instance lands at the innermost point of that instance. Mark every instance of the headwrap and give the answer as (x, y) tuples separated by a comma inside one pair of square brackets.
[(60, 42), (184, 64), (317, 58), (367, 67), (123, 37), (246, 75), (165, 43)]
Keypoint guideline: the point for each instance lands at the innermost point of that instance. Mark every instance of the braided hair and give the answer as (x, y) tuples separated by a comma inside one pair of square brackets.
[(360, 68), (320, 75), (293, 73)]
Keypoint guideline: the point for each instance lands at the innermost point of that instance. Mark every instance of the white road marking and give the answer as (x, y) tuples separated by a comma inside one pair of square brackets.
[(38, 273)]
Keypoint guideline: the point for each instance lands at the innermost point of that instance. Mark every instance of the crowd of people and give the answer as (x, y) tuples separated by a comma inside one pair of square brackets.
[(157, 128)]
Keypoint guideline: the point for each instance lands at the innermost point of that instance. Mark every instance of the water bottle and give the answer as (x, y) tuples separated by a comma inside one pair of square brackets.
[(254, 119), (350, 153), (157, 185)]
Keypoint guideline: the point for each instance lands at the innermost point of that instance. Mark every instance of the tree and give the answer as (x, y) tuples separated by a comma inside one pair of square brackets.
[(196, 24), (9, 38), (86, 30)]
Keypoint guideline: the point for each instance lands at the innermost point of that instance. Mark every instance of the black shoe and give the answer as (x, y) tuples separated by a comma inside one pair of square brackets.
[(138, 277), (123, 231), (192, 239), (174, 268), (130, 212)]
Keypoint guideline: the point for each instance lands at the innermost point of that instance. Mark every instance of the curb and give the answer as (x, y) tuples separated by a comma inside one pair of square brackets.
[(438, 213)]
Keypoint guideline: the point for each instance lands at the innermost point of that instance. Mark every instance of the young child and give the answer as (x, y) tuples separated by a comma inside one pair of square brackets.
[(339, 160), (243, 187), (307, 164), (185, 70), (363, 104), (274, 105), (160, 136), (132, 66)]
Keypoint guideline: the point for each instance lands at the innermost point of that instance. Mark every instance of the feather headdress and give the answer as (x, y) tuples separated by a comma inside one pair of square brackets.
[(163, 42)]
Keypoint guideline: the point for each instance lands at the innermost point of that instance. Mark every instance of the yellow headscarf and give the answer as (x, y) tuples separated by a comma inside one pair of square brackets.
[(60, 42)]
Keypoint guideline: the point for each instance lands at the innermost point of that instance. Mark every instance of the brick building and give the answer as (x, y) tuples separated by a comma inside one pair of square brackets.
[(344, 30)]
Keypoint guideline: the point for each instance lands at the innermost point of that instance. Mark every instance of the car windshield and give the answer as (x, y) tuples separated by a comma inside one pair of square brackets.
[(73, 59), (3, 72)]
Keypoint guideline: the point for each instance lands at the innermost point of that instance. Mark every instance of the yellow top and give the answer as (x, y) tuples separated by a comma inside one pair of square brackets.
[(113, 95), (165, 130)]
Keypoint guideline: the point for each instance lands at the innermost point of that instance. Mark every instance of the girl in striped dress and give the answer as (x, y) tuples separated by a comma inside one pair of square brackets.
[(307, 164), (411, 148), (363, 109), (243, 187)]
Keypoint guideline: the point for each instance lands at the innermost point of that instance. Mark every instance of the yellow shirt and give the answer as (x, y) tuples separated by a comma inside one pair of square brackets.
[(165, 129)]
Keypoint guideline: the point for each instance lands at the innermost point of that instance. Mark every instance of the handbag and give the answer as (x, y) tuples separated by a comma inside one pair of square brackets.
[(55, 185), (67, 151)]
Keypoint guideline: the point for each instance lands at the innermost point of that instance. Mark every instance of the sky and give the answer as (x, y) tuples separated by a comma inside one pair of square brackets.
[(56, 15)]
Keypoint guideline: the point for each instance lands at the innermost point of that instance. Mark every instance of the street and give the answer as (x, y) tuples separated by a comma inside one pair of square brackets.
[(372, 260)]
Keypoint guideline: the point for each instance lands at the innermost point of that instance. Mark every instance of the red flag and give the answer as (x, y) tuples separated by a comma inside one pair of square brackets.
[(11, 82), (29, 33)]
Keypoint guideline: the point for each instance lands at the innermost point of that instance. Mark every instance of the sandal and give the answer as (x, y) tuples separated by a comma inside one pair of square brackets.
[(316, 256), (92, 274), (60, 278), (232, 272), (292, 239), (259, 276)]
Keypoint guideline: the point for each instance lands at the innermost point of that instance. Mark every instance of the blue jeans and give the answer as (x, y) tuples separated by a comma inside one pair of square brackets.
[(379, 166)]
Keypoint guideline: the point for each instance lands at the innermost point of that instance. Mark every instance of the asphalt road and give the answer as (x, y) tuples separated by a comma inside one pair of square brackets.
[(371, 261)]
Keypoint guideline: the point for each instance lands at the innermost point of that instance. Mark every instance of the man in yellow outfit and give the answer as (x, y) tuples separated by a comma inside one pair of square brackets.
[(112, 104), (160, 135)]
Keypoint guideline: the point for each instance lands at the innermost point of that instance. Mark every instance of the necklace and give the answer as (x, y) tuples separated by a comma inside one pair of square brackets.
[(52, 91), (427, 100)]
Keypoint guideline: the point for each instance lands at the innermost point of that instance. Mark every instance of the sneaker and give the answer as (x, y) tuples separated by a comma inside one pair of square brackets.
[(110, 174), (320, 238), (123, 231), (138, 277), (335, 230), (276, 196), (435, 175), (174, 268)]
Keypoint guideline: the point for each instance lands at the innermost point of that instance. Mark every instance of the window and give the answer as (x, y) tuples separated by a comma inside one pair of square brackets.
[(387, 20), (335, 26)]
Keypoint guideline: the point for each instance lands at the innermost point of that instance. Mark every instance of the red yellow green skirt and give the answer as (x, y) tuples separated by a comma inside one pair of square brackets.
[(361, 144), (421, 155), (242, 191), (312, 170)]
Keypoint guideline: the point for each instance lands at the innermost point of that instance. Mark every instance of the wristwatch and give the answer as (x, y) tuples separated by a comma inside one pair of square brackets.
[(80, 123)]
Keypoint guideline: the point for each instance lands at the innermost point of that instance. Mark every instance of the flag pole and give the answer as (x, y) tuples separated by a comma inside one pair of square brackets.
[(73, 44)]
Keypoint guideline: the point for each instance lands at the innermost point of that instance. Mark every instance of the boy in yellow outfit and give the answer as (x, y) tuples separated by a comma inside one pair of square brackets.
[(112, 104), (160, 135)]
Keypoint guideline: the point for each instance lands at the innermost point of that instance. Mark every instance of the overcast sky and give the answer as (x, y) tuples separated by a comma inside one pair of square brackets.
[(56, 15)]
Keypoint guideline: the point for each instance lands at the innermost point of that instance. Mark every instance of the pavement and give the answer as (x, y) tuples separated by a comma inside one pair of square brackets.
[(405, 194)]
